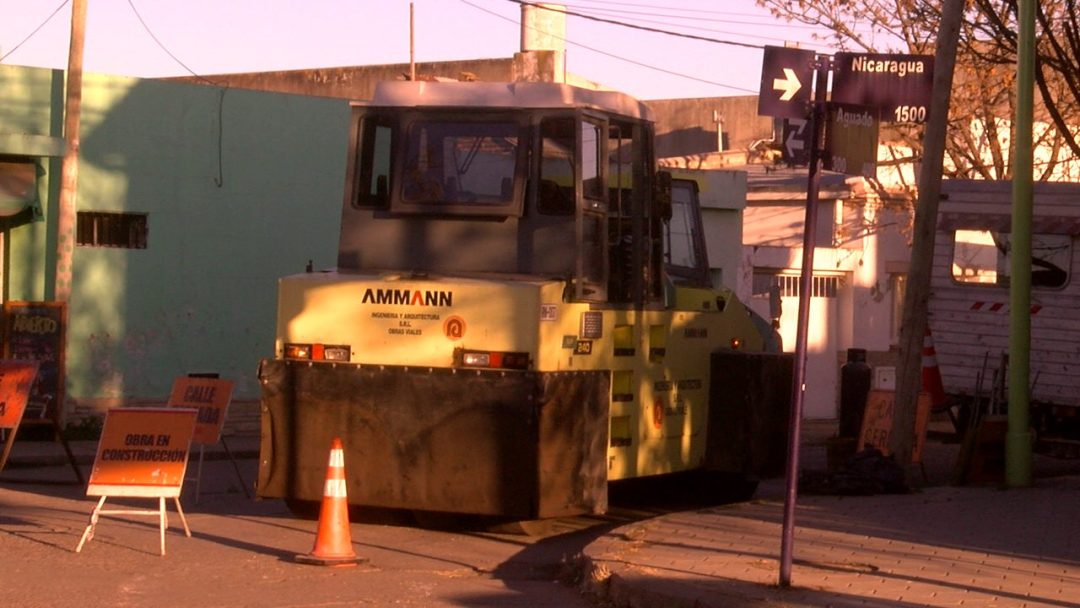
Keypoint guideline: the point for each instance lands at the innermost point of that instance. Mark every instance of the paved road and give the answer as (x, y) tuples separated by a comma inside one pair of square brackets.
[(241, 554), (973, 546)]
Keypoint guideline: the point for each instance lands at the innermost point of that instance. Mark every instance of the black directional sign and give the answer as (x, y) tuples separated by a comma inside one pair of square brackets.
[(851, 140), (898, 85), (786, 80), (795, 146)]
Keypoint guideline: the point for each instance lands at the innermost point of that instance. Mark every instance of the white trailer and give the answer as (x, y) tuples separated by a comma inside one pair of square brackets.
[(969, 299)]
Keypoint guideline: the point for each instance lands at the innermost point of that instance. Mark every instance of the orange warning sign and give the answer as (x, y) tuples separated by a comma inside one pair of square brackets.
[(210, 396), (16, 378), (143, 447), (878, 420)]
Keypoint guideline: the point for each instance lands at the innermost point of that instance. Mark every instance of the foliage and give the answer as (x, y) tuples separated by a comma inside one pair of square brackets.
[(984, 86)]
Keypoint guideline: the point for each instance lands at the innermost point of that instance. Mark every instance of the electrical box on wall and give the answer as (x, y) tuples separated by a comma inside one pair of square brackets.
[(885, 378)]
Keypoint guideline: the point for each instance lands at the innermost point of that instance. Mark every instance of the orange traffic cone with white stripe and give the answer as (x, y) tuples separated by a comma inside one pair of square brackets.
[(931, 373), (333, 542)]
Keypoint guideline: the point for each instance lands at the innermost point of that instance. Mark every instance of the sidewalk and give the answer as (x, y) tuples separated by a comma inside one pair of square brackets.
[(939, 546)]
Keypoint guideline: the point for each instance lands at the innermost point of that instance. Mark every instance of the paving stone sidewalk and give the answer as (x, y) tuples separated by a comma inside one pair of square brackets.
[(941, 545)]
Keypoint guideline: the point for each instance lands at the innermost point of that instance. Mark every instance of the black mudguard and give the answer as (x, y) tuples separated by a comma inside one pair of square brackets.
[(523, 445), (749, 413)]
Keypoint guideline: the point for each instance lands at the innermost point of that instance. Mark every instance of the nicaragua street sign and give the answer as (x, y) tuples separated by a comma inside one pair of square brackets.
[(786, 82), (898, 85)]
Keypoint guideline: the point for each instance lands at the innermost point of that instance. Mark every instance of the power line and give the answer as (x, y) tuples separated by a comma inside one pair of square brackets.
[(163, 47), (667, 8), (701, 29), (31, 34), (620, 58), (219, 180), (636, 15), (641, 27)]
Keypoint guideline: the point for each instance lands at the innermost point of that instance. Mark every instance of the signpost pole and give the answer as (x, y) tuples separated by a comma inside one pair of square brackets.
[(896, 83), (805, 291)]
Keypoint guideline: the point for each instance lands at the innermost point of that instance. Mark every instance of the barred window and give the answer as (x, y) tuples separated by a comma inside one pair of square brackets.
[(108, 229), (788, 285)]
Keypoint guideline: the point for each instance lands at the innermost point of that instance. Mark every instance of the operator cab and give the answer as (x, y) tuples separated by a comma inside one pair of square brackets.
[(528, 180)]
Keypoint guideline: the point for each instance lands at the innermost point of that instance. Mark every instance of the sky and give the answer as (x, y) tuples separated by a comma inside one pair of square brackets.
[(158, 38)]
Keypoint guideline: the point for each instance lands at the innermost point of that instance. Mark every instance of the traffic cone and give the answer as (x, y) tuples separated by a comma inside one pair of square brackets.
[(931, 374), (333, 542)]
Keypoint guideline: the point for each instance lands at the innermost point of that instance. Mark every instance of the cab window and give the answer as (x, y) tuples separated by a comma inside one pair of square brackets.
[(460, 163), (373, 154)]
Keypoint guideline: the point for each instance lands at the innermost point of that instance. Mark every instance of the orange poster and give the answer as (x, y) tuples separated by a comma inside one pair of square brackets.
[(142, 447), (210, 396), (16, 378)]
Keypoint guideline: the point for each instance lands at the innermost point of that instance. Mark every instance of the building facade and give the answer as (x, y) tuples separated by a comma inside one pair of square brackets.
[(192, 200)]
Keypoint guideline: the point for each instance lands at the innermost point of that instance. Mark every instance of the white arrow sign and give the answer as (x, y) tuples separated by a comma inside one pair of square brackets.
[(789, 84)]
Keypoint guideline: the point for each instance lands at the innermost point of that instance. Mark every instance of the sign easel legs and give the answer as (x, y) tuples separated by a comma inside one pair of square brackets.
[(163, 519)]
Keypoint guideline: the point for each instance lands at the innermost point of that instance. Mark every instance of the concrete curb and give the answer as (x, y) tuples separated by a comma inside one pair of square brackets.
[(615, 583), (618, 586)]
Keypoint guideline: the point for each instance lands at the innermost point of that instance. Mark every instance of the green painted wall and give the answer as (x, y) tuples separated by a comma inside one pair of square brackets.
[(240, 187)]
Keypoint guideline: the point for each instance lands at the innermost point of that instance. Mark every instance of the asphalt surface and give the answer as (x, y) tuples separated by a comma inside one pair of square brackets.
[(938, 545), (242, 552)]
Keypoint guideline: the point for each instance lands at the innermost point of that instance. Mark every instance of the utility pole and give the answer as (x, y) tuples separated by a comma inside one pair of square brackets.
[(917, 292), (412, 44), (1018, 437), (69, 172)]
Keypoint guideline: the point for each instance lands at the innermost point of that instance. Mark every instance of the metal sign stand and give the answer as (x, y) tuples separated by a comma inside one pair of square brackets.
[(210, 395), (163, 519), (236, 468)]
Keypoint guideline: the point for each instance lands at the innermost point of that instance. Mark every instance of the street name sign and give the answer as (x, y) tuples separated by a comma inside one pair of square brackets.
[(786, 82), (898, 85), (851, 140)]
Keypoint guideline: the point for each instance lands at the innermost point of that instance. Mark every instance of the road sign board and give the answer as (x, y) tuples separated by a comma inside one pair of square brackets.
[(210, 396), (795, 145), (142, 448), (786, 82), (898, 85), (851, 140)]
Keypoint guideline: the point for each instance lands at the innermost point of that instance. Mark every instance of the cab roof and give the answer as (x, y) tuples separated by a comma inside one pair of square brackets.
[(539, 95)]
